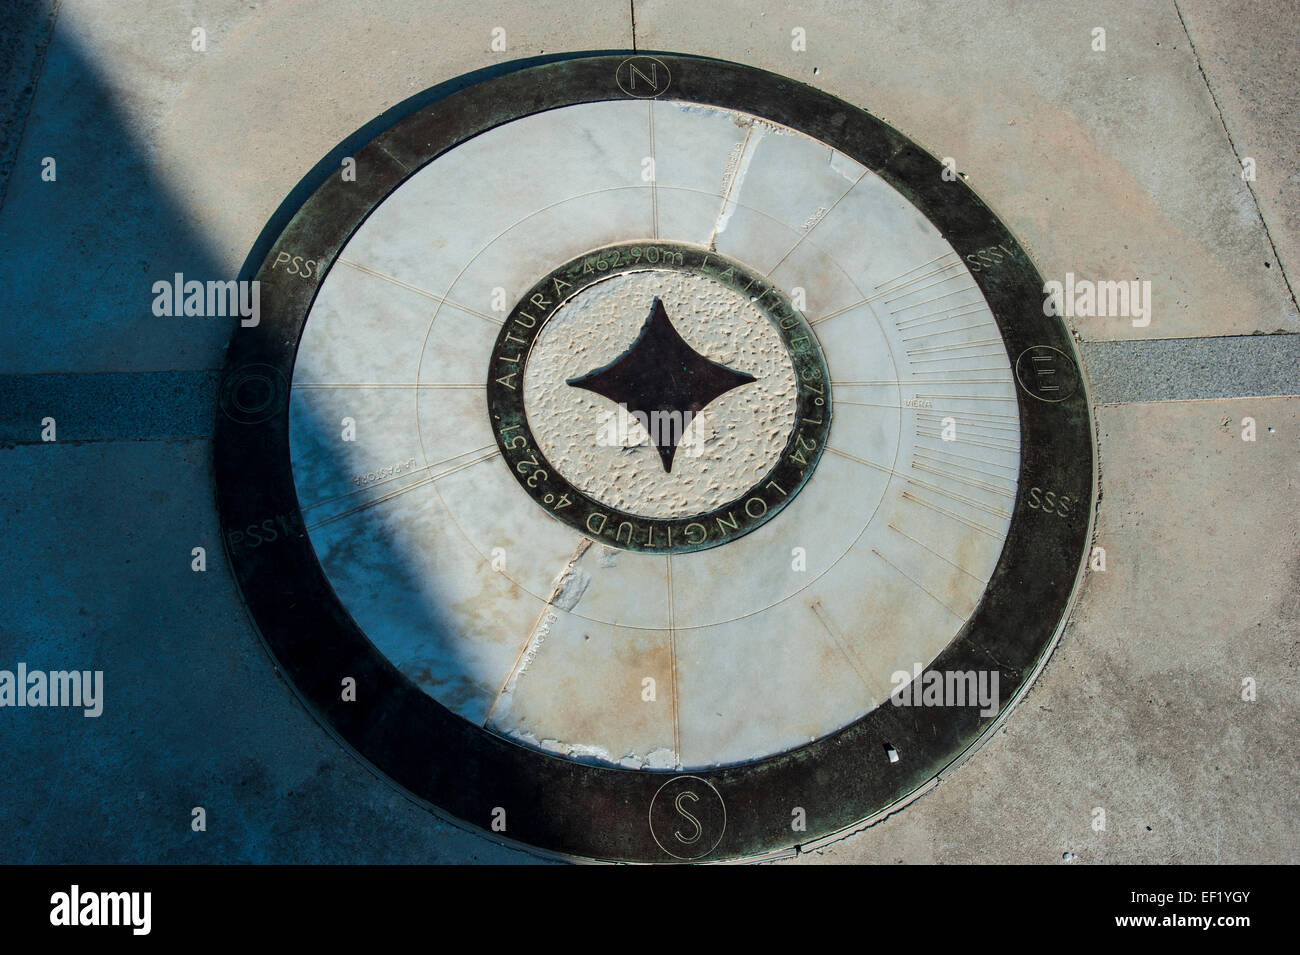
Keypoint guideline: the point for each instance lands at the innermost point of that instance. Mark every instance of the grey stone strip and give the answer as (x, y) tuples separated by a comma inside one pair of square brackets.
[(117, 406), (1184, 369), (151, 406)]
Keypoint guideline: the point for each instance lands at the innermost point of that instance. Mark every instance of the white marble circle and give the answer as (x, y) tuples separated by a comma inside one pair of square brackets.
[(605, 451), (519, 623)]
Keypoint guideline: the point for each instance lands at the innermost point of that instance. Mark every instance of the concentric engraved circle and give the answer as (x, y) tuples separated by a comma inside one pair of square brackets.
[(644, 77), (746, 455), (688, 817), (582, 667), (254, 393), (1047, 373)]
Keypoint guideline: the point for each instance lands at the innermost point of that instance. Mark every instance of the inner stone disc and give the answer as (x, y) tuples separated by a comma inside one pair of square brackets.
[(607, 452), (835, 525)]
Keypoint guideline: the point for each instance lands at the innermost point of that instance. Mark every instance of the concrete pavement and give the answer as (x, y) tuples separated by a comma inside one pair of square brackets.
[(1115, 164)]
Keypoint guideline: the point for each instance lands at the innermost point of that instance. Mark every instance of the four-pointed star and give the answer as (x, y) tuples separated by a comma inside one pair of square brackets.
[(664, 378)]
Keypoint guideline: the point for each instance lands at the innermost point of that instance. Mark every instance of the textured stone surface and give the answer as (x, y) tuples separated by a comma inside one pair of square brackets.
[(1181, 369), (725, 450), (1248, 59)]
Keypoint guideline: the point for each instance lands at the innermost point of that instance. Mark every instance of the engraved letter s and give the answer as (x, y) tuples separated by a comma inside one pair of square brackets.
[(699, 830)]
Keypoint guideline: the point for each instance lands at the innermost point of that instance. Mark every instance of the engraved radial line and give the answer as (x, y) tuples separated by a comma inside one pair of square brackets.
[(951, 495), (928, 361), (954, 564), (913, 269), (814, 225), (387, 480), (981, 444), (898, 294), (954, 346), (654, 171), (440, 299), (388, 384), (948, 331), (399, 162), (918, 278), (981, 429), (959, 381), (870, 381), (866, 404), (956, 291), (932, 430), (935, 452), (924, 275), (969, 482), (838, 312), (517, 668), (919, 458), (731, 185), (936, 382), (857, 460), (989, 414), (490, 452), (971, 419), (424, 482), (819, 612), (672, 650), (1012, 440), (361, 490), (966, 381), (943, 316), (917, 584), (909, 496), (897, 291)]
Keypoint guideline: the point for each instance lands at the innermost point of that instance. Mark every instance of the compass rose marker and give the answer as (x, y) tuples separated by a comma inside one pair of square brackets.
[(662, 377)]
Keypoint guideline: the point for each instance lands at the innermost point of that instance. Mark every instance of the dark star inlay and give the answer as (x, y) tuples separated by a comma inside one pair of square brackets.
[(664, 378)]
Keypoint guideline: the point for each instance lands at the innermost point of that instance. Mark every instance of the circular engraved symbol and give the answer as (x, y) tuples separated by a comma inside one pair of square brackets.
[(642, 76), (687, 817), (520, 695), (1046, 373), (660, 392), (253, 393)]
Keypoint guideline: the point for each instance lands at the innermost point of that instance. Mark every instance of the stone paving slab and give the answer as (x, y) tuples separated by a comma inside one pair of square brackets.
[(173, 160), (1111, 165), (1139, 711), (194, 712), (1248, 57), (1114, 165)]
